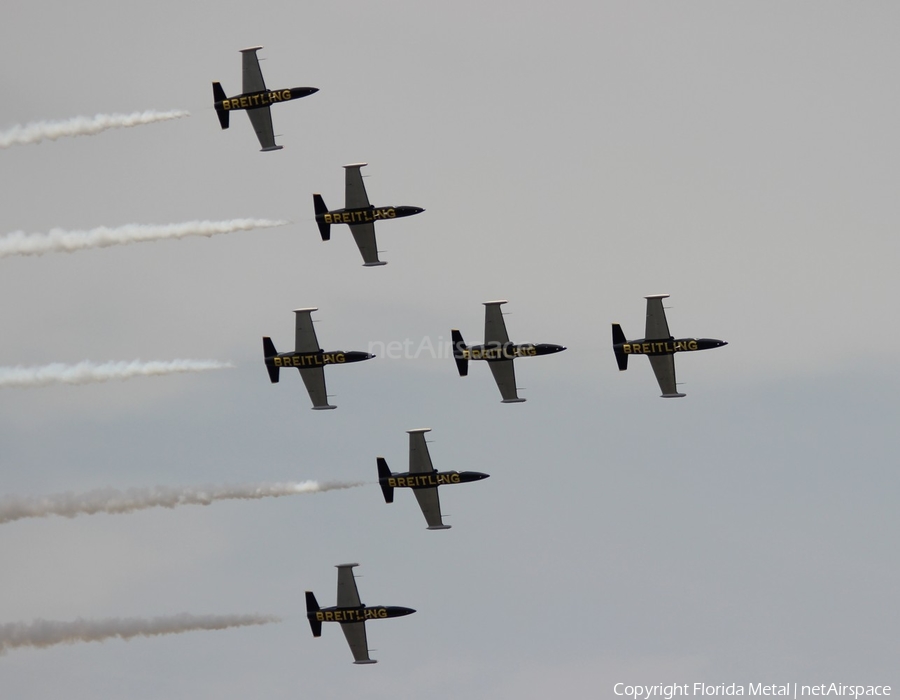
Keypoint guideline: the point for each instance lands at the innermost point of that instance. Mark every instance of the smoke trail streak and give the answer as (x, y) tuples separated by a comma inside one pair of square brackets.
[(69, 505), (35, 132), (45, 633), (62, 241), (87, 372)]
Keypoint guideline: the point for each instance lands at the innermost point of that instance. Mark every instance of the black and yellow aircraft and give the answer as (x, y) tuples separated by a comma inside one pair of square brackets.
[(350, 613), (256, 99), (422, 478), (659, 346), (497, 351), (309, 358), (358, 214)]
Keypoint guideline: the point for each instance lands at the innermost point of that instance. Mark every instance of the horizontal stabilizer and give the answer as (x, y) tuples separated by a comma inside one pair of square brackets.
[(520, 400), (438, 527), (271, 148), (367, 661), (327, 407), (377, 263), (672, 396)]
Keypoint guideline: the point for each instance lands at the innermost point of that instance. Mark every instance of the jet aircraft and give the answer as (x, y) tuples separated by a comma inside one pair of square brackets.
[(498, 351), (350, 613), (422, 478), (309, 358), (359, 214), (256, 99), (658, 345)]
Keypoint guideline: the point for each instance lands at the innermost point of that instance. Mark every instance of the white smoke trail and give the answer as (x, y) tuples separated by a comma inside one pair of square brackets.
[(110, 500), (45, 633), (35, 132), (87, 372), (62, 241)]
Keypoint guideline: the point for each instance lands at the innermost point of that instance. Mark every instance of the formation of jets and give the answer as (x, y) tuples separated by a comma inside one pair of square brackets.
[(497, 351)]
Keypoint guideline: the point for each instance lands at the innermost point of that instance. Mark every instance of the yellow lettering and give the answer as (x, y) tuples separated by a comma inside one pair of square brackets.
[(244, 102), (341, 357), (692, 345), (285, 94), (320, 617), (382, 612)]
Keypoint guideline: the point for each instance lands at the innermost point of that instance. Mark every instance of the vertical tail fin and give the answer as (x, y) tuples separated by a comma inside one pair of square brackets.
[(269, 354), (321, 210), (459, 353), (312, 606), (219, 95), (618, 338), (384, 473)]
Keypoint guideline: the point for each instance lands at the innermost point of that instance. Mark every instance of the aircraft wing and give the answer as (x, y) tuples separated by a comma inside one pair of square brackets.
[(505, 376), (314, 379), (304, 334), (347, 593), (657, 327), (355, 632), (494, 325), (261, 118), (419, 459), (355, 196), (252, 75), (364, 235), (664, 369), (430, 503)]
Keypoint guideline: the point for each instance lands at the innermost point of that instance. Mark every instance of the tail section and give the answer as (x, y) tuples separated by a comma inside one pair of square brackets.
[(219, 95), (384, 473), (269, 353), (459, 353), (618, 337), (312, 606), (324, 229)]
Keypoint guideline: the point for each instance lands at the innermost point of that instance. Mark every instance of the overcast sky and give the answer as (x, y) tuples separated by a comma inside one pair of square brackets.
[(742, 157)]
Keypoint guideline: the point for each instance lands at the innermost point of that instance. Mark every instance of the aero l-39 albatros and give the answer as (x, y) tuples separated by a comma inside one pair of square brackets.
[(358, 214), (497, 351), (309, 358), (658, 345), (350, 613), (422, 478), (256, 99)]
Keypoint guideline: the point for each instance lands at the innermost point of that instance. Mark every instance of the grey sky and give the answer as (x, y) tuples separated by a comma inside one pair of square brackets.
[(571, 159)]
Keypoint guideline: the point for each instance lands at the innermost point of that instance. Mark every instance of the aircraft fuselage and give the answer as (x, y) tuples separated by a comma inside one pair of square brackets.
[(303, 360), (362, 613), (667, 347), (263, 98), (493, 352), (365, 215), (430, 479)]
